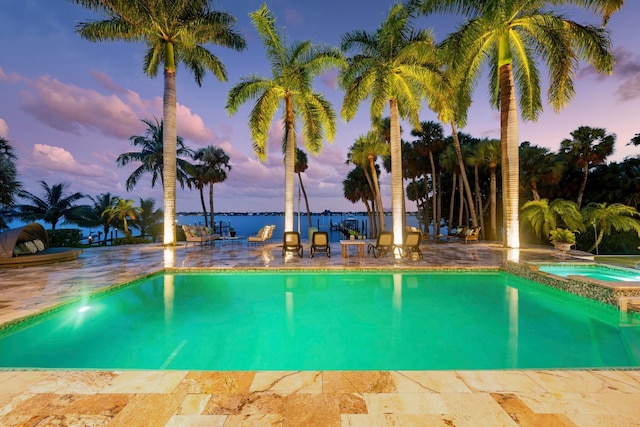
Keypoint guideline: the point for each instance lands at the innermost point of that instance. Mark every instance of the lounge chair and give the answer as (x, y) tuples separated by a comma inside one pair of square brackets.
[(291, 243), (472, 235), (263, 235), (383, 246), (411, 244), (29, 245), (320, 243)]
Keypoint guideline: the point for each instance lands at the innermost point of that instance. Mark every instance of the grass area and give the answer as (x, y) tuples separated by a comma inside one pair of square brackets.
[(621, 260)]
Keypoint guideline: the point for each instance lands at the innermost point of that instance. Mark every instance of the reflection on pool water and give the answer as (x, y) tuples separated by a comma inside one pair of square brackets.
[(324, 321), (594, 271)]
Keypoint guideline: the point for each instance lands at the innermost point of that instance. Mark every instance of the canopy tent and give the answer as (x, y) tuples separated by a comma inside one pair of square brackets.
[(30, 232)]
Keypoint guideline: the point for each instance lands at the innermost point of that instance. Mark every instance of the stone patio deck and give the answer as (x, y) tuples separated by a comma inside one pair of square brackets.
[(304, 398)]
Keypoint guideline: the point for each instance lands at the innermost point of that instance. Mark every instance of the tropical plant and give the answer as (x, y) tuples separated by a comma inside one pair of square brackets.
[(513, 36), (215, 164), (290, 86), (9, 186), (91, 216), (199, 178), (608, 217), (544, 216), (364, 153), (302, 164), (357, 187), (54, 205), (431, 143), (392, 66), (173, 31), (585, 153), (151, 155), (122, 210), (538, 166), (490, 152), (147, 217), (562, 235)]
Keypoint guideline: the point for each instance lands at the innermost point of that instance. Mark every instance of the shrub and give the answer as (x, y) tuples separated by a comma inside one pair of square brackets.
[(131, 240), (65, 237)]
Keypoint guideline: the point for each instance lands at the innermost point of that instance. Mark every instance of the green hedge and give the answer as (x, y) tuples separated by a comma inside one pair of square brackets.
[(65, 237), (131, 240)]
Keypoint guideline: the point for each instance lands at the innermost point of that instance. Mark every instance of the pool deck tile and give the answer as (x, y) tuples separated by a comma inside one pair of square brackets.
[(290, 398)]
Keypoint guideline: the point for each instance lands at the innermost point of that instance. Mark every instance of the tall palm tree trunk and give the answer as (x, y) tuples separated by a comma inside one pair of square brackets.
[(452, 201), (396, 174), (510, 172), (583, 184), (306, 200), (289, 167), (461, 202), (204, 207), (493, 234), (211, 205), (374, 178), (169, 142), (374, 220), (479, 198), (434, 184), (463, 175)]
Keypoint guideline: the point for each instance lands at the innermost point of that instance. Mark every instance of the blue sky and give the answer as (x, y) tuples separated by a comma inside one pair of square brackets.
[(69, 106)]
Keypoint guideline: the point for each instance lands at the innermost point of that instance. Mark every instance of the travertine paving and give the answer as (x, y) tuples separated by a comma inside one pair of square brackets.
[(327, 398)]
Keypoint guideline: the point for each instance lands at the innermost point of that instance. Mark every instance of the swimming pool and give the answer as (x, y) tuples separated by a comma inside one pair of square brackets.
[(325, 321), (594, 271)]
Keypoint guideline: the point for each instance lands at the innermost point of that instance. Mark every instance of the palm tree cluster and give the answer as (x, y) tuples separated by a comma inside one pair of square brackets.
[(397, 65), (9, 185)]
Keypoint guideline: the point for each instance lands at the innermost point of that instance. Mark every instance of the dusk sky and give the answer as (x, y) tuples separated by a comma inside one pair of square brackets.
[(69, 105)]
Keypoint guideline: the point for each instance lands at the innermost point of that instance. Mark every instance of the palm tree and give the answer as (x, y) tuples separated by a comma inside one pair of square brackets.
[(538, 166), (513, 36), (393, 66), (301, 165), (92, 217), (364, 153), (357, 188), (430, 142), (608, 217), (148, 217), (544, 216), (151, 155), (290, 86), (199, 178), (587, 154), (489, 151), (122, 210), (9, 186), (215, 163), (53, 206), (173, 31)]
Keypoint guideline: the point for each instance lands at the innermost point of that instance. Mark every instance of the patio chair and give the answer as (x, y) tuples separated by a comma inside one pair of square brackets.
[(261, 236), (472, 235), (291, 243), (320, 243), (383, 245), (411, 244)]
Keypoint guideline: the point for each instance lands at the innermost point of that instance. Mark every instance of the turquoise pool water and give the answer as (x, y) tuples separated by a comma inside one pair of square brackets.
[(325, 320), (594, 271)]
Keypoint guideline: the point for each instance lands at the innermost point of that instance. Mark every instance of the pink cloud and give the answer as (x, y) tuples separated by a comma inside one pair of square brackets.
[(4, 129), (13, 77), (58, 159), (69, 108), (106, 82)]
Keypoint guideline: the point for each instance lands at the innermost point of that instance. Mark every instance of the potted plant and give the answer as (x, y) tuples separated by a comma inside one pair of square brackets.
[(232, 232), (352, 234), (562, 239)]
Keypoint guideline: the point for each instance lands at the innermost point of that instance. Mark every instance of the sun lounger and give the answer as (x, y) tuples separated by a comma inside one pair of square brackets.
[(263, 235), (411, 244), (472, 235), (320, 243), (291, 243), (383, 245)]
